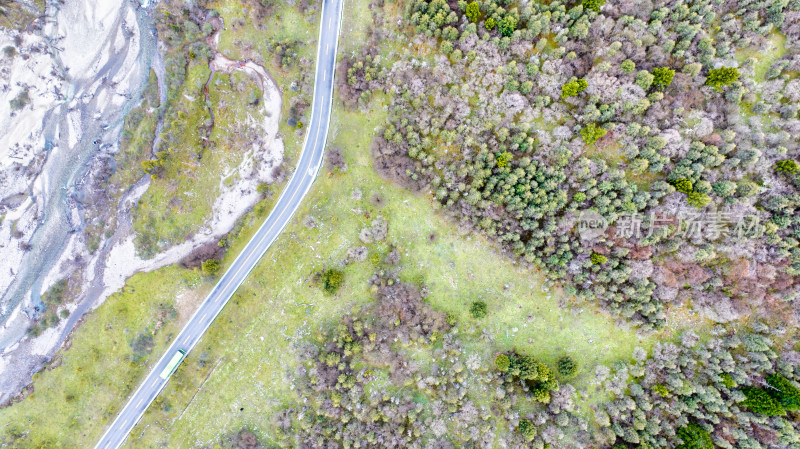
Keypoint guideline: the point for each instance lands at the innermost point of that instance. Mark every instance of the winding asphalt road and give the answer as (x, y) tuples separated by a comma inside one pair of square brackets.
[(288, 202)]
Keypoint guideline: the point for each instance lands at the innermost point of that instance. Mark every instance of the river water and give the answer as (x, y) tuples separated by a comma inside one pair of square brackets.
[(105, 48)]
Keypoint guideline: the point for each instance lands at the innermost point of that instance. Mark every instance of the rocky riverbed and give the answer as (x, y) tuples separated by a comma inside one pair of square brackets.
[(76, 72)]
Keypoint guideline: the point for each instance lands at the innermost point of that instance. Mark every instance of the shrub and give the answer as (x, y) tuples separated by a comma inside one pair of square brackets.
[(721, 77), (142, 345), (263, 189), (573, 87), (478, 309), (661, 390), (662, 76), (567, 367), (20, 101), (591, 133), (694, 437), (598, 259), (502, 363), (789, 166), (759, 401), (55, 294), (210, 267), (332, 280), (490, 24), (527, 429)]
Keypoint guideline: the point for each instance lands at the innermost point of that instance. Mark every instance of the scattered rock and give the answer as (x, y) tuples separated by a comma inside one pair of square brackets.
[(357, 254)]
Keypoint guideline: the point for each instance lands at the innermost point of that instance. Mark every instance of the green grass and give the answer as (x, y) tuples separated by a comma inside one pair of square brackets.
[(181, 199), (777, 43), (80, 393), (250, 346)]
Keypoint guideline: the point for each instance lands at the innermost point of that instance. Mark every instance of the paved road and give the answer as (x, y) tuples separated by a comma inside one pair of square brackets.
[(296, 189)]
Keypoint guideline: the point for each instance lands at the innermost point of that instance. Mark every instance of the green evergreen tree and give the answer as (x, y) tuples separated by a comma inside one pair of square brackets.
[(473, 11), (721, 77), (591, 133), (507, 25), (784, 391), (789, 166), (573, 87), (593, 5), (528, 368), (567, 367), (694, 437), (759, 401), (662, 76), (527, 429)]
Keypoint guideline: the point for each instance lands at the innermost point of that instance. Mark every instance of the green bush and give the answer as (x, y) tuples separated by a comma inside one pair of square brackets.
[(591, 133), (747, 188), (697, 199), (593, 5), (644, 79), (490, 24), (567, 367), (628, 66), (540, 393), (573, 87), (502, 363), (478, 309), (54, 295), (473, 11), (683, 185), (721, 77), (527, 429), (142, 345), (503, 159), (331, 280), (759, 401), (507, 25), (528, 368), (694, 437), (598, 259), (662, 76), (789, 166), (661, 390), (210, 267)]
